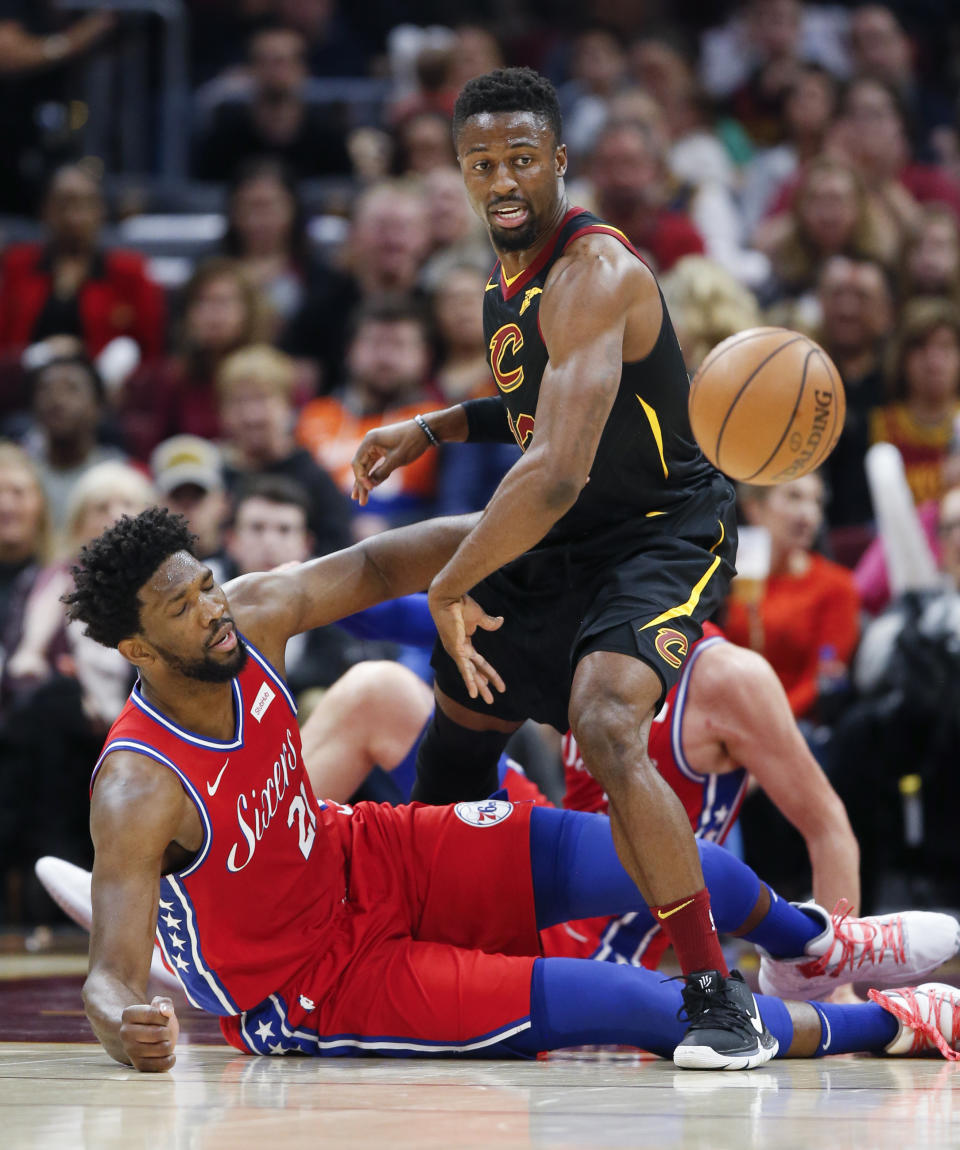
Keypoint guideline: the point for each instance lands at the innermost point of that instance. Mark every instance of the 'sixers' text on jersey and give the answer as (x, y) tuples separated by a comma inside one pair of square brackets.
[(647, 460)]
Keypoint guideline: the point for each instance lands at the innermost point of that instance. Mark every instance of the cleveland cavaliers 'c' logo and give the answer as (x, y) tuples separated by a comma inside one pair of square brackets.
[(671, 646), (506, 340)]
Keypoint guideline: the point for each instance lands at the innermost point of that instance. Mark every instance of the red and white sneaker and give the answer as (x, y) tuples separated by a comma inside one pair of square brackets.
[(886, 950), (929, 1017)]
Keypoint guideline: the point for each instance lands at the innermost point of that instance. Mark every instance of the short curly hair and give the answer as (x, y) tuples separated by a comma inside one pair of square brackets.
[(112, 569), (508, 90)]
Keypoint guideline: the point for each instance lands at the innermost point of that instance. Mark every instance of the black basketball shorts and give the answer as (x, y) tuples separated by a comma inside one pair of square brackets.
[(641, 589)]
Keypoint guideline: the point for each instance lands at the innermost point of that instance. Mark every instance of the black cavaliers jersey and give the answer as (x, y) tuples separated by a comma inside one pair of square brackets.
[(647, 460)]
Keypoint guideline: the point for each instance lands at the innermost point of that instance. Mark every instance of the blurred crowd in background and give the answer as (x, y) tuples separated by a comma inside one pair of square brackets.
[(234, 238)]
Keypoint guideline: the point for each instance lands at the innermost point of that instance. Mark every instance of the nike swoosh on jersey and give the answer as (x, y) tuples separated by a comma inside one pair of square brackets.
[(662, 914), (212, 790)]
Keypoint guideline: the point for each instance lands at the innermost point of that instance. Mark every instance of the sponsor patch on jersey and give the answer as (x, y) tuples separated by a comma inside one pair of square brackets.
[(484, 814), (265, 697), (307, 1003)]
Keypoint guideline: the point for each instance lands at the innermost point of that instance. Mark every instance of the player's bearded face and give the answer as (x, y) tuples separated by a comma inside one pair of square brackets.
[(512, 169), (513, 239), (208, 668)]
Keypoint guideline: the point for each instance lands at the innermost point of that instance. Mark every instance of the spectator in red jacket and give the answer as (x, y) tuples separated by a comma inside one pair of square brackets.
[(71, 284), (807, 604)]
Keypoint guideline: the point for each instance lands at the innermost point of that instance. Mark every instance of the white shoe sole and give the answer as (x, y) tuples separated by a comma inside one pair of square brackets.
[(706, 1058)]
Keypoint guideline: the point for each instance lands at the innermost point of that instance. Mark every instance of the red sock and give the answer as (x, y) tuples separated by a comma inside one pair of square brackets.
[(689, 926)]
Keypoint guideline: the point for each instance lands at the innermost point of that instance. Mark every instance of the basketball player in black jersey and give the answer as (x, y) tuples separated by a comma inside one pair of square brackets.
[(605, 545)]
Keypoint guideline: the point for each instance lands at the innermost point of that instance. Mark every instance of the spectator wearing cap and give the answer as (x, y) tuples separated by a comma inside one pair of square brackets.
[(255, 387), (68, 404), (71, 284), (189, 478)]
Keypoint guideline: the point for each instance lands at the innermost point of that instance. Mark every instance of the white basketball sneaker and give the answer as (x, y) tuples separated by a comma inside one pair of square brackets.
[(69, 887), (886, 950), (929, 1017)]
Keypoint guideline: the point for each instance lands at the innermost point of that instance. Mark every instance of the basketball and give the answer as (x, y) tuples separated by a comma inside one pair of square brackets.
[(767, 405)]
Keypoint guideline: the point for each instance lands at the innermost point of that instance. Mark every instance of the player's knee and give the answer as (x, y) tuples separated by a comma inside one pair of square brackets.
[(364, 686), (611, 735)]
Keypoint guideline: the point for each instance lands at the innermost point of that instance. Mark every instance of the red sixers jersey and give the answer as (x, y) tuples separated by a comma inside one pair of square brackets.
[(252, 908), (712, 802)]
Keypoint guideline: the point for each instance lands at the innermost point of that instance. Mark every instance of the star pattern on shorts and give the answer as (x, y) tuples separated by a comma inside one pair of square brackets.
[(171, 921), (180, 962), (176, 941), (166, 905), (277, 1048), (265, 1030)]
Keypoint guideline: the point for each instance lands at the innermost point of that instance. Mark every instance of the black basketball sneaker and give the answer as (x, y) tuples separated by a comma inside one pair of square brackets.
[(725, 1030)]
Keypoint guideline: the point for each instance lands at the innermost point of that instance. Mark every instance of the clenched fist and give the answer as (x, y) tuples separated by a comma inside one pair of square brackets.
[(149, 1034)]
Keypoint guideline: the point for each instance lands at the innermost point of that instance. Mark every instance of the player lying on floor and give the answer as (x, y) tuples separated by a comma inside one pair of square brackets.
[(315, 927), (374, 714)]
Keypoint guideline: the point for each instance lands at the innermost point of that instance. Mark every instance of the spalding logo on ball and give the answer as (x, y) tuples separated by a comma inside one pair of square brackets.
[(767, 405)]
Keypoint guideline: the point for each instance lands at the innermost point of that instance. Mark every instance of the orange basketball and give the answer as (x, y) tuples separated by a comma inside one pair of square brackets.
[(767, 405)]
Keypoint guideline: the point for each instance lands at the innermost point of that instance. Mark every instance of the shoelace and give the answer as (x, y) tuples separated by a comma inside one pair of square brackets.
[(879, 940), (710, 1009), (903, 1005)]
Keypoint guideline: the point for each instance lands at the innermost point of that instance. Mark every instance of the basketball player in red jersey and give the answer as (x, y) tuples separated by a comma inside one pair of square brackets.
[(318, 928), (608, 544)]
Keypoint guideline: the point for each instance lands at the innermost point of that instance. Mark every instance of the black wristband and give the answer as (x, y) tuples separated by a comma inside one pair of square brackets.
[(487, 420), (426, 429)]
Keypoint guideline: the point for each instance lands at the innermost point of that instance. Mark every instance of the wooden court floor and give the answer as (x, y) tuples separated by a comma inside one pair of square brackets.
[(59, 1091)]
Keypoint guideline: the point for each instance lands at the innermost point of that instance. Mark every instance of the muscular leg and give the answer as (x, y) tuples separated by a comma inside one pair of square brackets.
[(611, 708), (575, 1003), (577, 874), (457, 759)]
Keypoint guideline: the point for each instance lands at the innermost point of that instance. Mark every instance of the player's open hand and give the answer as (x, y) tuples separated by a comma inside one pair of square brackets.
[(381, 452), (149, 1033), (457, 618)]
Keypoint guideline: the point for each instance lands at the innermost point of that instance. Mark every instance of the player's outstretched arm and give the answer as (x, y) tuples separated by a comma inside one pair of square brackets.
[(753, 718), (383, 449), (138, 809), (386, 566)]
